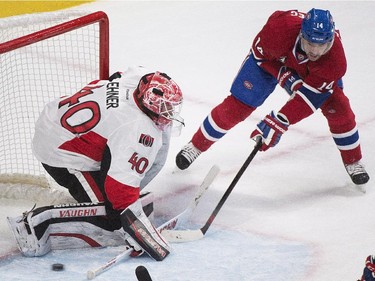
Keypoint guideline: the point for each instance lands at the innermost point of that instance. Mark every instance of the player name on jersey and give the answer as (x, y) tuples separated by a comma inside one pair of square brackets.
[(112, 95)]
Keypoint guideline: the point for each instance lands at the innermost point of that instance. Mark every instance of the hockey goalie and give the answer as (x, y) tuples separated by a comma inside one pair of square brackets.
[(104, 144)]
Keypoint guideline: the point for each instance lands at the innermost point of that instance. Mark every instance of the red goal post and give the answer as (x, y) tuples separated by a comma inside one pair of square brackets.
[(42, 57)]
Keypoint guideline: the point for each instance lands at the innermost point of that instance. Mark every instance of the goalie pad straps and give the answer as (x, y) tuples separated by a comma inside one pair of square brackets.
[(142, 233)]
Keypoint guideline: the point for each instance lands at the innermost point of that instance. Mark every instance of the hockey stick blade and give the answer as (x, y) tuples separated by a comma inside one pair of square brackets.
[(171, 224), (182, 236), (182, 217), (191, 235), (142, 273)]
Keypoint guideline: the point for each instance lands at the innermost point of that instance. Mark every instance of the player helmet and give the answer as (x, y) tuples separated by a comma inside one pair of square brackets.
[(160, 98), (318, 26)]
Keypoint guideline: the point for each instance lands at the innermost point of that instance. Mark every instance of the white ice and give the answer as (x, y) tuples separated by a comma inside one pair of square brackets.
[(294, 214)]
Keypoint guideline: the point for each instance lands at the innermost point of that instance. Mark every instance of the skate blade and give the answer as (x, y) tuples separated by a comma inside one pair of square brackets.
[(360, 188)]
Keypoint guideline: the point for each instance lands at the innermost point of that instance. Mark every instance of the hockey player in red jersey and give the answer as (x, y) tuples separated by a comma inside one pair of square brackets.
[(303, 53), (369, 270), (104, 144)]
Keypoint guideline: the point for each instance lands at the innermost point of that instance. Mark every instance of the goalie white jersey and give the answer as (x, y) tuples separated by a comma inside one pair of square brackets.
[(73, 131)]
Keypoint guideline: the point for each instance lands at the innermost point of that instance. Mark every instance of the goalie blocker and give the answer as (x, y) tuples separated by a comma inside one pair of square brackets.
[(143, 236), (80, 225)]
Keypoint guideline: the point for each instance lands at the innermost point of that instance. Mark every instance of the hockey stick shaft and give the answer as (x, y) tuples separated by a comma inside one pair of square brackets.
[(91, 274), (191, 235), (231, 186)]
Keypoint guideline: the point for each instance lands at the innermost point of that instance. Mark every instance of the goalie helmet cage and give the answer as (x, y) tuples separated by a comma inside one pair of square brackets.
[(44, 56)]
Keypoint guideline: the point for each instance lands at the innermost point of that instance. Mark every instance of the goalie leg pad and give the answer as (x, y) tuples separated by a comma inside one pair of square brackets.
[(142, 233), (68, 226), (64, 226)]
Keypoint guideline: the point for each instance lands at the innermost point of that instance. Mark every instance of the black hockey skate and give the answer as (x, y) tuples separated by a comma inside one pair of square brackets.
[(186, 156), (357, 173)]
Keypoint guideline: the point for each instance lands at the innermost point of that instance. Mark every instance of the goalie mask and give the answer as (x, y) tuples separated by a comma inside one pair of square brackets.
[(160, 98)]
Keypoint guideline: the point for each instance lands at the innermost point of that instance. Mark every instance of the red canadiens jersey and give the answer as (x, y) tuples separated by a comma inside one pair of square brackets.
[(73, 131), (277, 45)]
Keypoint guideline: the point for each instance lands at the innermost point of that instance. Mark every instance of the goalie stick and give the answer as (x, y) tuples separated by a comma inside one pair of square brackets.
[(171, 224), (142, 273), (207, 181), (194, 234)]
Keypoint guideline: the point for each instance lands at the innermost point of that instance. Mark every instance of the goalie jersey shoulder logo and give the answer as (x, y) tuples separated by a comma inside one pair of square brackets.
[(146, 140)]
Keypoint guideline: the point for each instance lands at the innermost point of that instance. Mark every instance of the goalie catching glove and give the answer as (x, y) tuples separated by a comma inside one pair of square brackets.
[(142, 235), (270, 129)]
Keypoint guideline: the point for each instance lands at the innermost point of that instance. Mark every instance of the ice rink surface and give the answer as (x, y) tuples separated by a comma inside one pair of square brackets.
[(294, 214)]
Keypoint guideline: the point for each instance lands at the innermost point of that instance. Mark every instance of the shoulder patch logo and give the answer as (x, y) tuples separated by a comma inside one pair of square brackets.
[(146, 140)]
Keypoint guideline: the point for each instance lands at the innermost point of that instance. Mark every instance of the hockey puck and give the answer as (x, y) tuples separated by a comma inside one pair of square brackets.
[(57, 267)]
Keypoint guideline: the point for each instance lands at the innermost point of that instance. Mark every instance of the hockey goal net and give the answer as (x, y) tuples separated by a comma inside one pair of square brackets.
[(43, 56)]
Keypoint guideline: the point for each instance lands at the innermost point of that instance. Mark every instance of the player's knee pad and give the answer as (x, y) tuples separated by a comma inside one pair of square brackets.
[(338, 112), (221, 119), (230, 112), (342, 124)]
